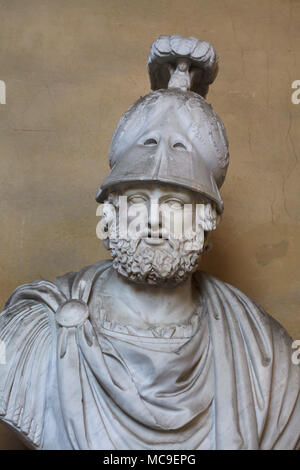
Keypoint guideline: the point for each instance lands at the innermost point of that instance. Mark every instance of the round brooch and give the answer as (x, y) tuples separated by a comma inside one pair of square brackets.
[(72, 313)]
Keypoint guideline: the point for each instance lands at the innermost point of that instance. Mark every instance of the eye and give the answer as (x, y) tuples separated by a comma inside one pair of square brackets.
[(137, 199), (150, 142), (179, 145), (174, 204)]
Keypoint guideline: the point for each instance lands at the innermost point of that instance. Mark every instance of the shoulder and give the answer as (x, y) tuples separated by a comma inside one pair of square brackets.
[(243, 307), (258, 352), (28, 337), (84, 279)]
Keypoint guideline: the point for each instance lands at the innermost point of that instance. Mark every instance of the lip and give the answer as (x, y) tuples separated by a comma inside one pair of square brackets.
[(154, 241)]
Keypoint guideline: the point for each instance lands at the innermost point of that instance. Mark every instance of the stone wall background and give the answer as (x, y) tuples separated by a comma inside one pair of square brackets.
[(73, 67)]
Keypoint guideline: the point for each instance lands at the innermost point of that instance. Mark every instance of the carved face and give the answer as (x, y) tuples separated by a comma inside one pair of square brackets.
[(163, 243), (154, 205)]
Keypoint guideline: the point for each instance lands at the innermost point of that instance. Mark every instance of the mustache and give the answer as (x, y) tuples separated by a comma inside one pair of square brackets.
[(145, 233)]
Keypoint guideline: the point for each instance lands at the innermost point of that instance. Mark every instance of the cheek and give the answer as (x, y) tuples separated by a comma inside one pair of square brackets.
[(189, 223), (179, 223), (171, 222)]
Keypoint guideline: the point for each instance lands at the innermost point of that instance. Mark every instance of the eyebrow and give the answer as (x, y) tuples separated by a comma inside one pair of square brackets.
[(181, 197), (143, 192)]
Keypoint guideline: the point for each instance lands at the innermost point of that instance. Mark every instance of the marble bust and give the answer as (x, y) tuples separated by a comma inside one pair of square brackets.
[(145, 351)]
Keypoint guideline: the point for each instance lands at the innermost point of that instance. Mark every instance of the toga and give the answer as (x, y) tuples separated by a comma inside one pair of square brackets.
[(74, 379)]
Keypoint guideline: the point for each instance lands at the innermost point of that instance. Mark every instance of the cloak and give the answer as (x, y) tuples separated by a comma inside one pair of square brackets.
[(72, 381)]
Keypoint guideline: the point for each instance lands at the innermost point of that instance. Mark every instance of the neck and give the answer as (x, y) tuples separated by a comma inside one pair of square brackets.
[(144, 305)]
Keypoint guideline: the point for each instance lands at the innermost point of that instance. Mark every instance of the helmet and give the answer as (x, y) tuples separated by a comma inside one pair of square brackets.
[(171, 135)]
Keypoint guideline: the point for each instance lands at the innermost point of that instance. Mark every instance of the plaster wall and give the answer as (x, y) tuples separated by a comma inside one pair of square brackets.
[(72, 68)]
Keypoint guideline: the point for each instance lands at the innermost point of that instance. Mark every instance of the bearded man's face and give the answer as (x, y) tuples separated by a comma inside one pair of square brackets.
[(162, 245)]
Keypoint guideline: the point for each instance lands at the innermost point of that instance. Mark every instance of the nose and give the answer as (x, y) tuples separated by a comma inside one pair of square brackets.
[(154, 221)]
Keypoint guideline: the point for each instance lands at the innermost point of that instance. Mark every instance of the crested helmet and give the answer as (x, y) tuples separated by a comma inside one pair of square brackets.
[(172, 135)]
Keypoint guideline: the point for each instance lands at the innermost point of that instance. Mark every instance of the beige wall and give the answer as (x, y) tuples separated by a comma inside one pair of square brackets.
[(73, 67)]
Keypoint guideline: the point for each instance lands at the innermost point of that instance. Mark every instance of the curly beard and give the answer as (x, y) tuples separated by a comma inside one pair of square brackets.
[(165, 265)]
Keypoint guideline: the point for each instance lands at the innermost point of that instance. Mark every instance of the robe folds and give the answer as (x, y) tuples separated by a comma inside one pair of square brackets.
[(72, 382)]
